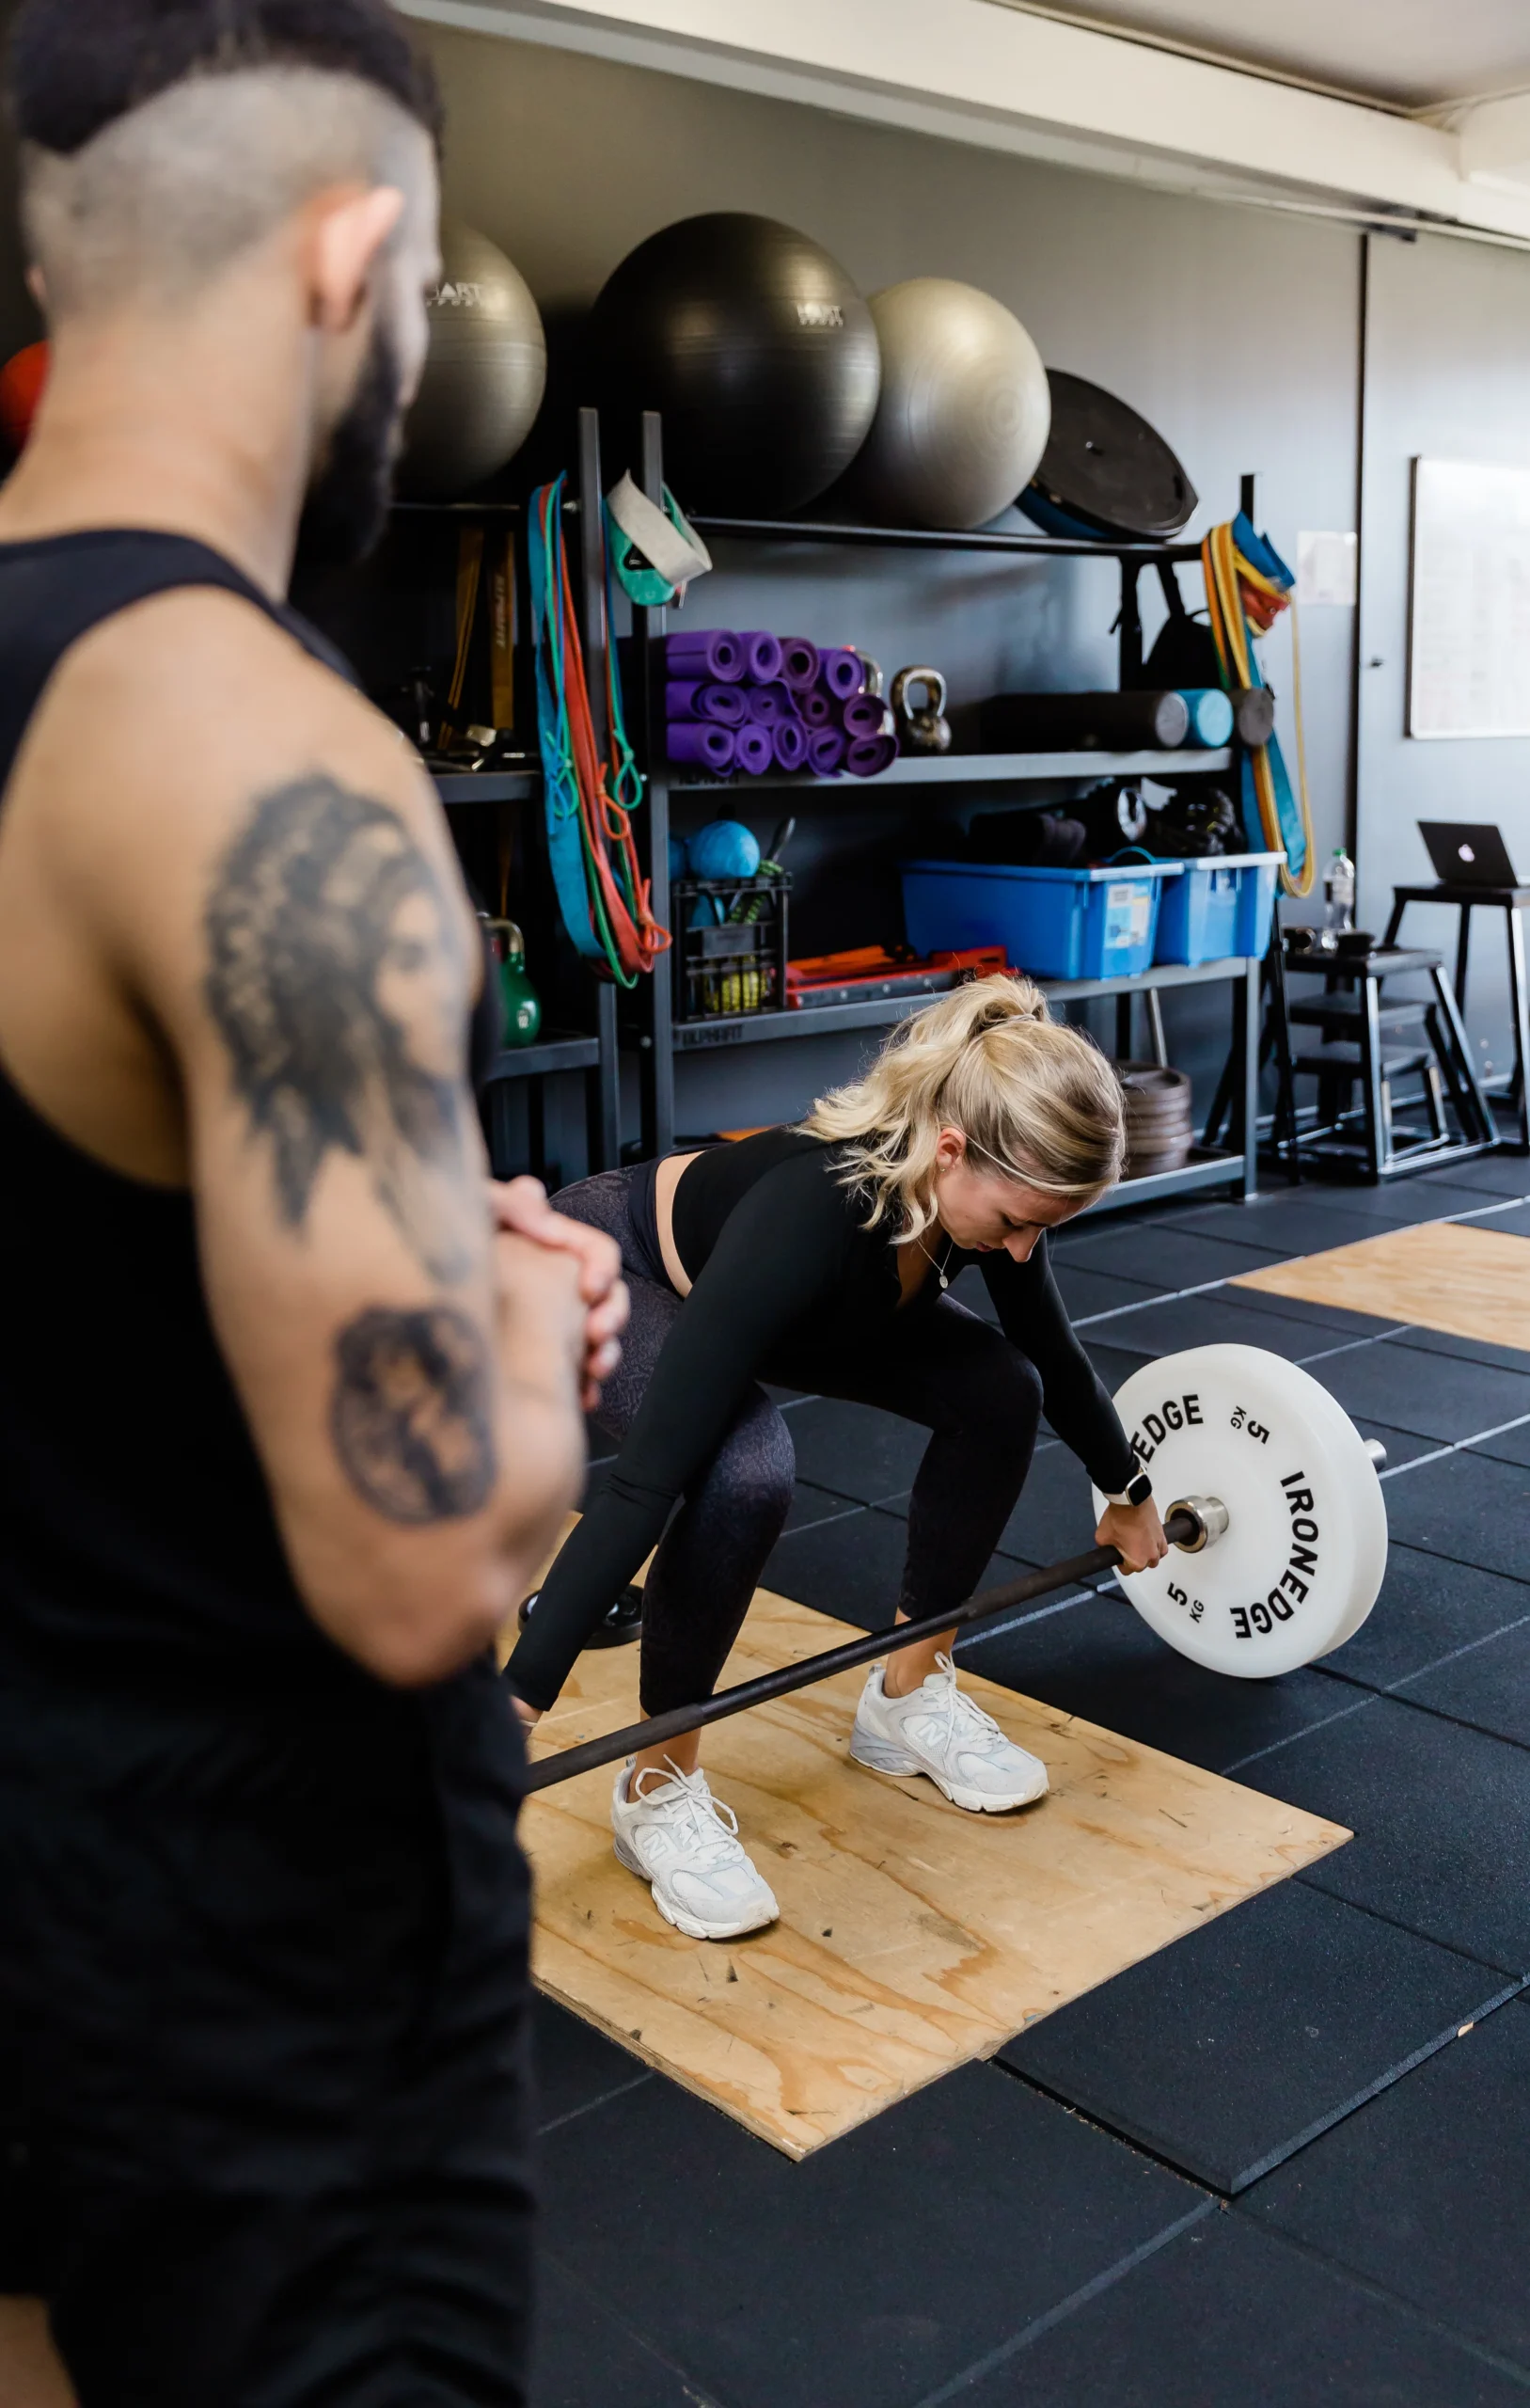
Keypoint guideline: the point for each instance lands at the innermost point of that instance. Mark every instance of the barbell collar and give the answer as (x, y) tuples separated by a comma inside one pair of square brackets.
[(1208, 1519)]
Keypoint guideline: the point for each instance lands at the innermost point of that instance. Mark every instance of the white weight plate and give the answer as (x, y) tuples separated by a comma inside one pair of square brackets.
[(1299, 1566)]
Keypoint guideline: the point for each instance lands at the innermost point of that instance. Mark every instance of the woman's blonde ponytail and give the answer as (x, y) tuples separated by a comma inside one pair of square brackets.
[(1033, 1098)]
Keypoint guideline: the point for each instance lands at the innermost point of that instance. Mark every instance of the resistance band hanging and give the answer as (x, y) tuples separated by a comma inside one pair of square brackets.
[(1246, 586), (600, 891)]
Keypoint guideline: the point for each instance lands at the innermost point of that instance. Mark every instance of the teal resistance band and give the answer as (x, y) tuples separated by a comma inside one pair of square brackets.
[(560, 778)]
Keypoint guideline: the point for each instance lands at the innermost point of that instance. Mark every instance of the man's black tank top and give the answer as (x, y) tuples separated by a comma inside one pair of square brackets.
[(138, 1544)]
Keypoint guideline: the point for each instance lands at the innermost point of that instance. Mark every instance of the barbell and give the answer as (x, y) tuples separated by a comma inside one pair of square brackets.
[(1277, 1535)]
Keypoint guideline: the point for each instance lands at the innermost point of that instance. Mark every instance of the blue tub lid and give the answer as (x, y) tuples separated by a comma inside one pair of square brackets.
[(1116, 871), (1236, 860)]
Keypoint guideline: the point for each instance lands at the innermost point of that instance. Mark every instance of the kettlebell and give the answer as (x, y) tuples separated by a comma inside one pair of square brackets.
[(522, 1005), (928, 729)]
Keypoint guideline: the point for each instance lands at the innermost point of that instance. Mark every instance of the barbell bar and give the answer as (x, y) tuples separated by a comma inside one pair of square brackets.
[(1278, 1541)]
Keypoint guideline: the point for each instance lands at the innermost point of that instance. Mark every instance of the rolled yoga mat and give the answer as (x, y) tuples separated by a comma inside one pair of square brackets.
[(701, 742), (1211, 715), (768, 705), (869, 755), (826, 751), (817, 708), (864, 715), (762, 655), (753, 751), (706, 652), (798, 663), (789, 743), (842, 672), (695, 698)]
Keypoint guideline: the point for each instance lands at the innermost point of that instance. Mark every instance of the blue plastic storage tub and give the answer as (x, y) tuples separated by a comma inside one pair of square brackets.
[(1219, 907), (1057, 923)]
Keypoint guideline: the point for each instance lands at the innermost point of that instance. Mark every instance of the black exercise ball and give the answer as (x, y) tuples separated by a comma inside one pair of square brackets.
[(758, 350), (484, 374)]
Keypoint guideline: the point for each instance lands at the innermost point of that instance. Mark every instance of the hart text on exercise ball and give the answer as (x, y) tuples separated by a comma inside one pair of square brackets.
[(756, 347), (484, 374), (964, 410)]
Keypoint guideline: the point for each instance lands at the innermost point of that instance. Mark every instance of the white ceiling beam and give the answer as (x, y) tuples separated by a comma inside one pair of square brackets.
[(1002, 80)]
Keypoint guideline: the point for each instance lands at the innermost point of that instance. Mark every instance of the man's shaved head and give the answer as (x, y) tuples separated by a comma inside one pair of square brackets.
[(160, 138)]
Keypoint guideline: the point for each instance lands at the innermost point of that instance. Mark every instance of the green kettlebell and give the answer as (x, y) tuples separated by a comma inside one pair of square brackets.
[(522, 1005)]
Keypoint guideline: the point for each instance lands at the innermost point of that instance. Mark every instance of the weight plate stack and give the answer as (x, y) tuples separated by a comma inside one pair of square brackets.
[(1160, 1129)]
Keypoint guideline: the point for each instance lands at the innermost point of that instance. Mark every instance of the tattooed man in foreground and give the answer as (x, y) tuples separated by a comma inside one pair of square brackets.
[(286, 1421)]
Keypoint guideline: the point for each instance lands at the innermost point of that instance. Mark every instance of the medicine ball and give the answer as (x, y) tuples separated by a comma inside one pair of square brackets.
[(485, 376), (964, 410), (724, 848), (756, 347), (21, 381)]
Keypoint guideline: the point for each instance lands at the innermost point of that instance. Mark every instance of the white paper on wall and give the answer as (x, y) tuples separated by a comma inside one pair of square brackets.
[(1326, 566), (1469, 651)]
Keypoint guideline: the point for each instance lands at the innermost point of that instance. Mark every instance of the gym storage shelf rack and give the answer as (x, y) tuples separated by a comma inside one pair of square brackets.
[(661, 1039)]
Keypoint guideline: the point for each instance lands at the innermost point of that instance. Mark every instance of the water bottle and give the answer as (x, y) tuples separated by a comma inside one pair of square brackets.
[(1338, 898)]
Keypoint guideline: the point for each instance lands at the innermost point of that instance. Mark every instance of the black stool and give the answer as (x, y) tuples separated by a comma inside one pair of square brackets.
[(1356, 1020), (1511, 902)]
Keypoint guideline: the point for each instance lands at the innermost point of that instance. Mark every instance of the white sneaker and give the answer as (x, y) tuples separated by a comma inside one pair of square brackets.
[(683, 1843), (938, 1730)]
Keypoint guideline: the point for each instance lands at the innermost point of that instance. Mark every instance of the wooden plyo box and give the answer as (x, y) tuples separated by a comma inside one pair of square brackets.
[(912, 1937)]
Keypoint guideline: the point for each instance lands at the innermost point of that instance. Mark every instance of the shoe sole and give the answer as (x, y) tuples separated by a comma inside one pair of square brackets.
[(693, 1925), (897, 1765)]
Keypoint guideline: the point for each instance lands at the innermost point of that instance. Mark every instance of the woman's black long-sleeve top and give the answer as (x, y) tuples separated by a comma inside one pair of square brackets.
[(785, 1281)]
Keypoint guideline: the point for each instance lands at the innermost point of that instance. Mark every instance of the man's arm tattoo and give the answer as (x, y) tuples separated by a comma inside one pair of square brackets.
[(337, 979), (412, 1415)]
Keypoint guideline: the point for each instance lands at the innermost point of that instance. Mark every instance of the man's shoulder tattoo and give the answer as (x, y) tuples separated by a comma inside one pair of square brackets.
[(338, 981)]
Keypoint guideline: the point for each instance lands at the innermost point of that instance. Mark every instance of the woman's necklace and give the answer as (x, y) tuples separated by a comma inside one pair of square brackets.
[(938, 1268)]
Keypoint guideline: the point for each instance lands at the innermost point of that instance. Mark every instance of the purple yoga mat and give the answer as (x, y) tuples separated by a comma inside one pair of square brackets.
[(817, 708), (798, 663), (789, 743), (706, 652), (869, 755), (762, 655), (843, 672), (700, 741), (864, 715), (770, 704), (753, 751), (826, 751), (694, 698)]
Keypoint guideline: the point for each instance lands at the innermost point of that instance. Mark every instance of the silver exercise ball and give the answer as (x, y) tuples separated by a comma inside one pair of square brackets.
[(485, 373), (965, 408)]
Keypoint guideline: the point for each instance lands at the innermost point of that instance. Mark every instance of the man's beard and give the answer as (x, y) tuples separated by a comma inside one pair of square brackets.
[(345, 514)]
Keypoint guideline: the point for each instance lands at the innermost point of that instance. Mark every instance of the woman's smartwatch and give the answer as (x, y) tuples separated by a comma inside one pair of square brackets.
[(1136, 1492)]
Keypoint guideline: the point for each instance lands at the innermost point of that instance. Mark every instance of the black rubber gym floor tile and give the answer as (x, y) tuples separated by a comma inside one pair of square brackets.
[(1230, 2050), (809, 1506), (1438, 1396), (1425, 2192), (1402, 1446), (1221, 1319), (1428, 1609), (851, 1567), (585, 2357), (874, 2271), (1088, 1294), (1400, 1201), (1516, 1223), (576, 2066), (854, 1451), (1489, 1685), (1098, 1659), (1467, 1506), (1470, 1350), (1440, 1815), (1493, 1174), (1231, 2316), (1335, 1318), (1164, 1258), (1509, 1447), (1114, 1352), (1285, 1224)]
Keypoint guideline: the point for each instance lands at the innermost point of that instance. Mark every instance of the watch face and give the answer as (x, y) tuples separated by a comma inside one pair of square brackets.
[(1140, 1489)]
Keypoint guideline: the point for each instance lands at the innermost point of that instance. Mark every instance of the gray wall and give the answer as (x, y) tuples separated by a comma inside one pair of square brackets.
[(1235, 333), (1447, 377)]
